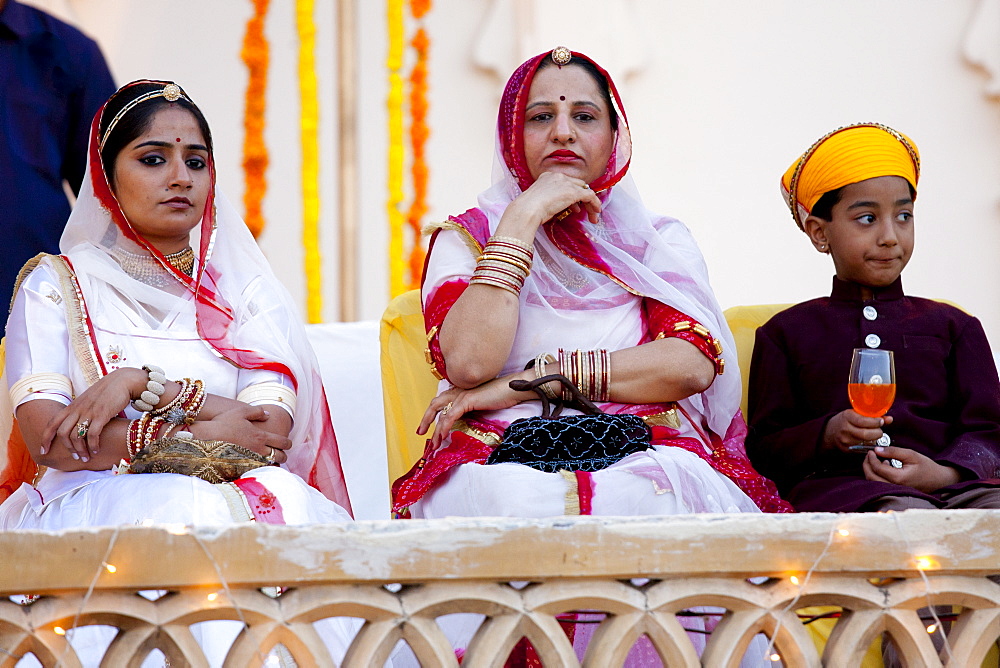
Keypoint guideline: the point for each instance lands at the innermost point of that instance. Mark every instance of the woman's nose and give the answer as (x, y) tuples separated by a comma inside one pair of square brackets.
[(181, 176), (562, 129)]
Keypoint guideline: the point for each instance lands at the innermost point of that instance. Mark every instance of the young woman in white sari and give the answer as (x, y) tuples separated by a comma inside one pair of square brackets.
[(561, 269), (160, 296)]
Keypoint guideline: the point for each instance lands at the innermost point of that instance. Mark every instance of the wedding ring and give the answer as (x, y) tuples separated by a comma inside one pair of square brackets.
[(270, 456), (82, 428), (586, 186), (444, 411)]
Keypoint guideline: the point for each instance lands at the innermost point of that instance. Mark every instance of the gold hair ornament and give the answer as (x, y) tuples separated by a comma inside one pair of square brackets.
[(561, 56), (170, 92), (793, 185)]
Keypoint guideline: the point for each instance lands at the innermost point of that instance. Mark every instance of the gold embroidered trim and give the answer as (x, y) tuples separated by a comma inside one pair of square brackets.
[(239, 509), (428, 357), (76, 321), (38, 475), (467, 237), (487, 437), (572, 502), (28, 267), (667, 418)]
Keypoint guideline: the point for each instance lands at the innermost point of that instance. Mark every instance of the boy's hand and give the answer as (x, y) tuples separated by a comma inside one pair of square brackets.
[(919, 472), (849, 428)]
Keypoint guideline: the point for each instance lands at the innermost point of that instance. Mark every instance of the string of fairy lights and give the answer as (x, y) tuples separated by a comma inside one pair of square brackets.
[(800, 578)]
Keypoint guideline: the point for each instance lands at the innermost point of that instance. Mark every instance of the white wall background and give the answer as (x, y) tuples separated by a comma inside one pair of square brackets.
[(721, 94)]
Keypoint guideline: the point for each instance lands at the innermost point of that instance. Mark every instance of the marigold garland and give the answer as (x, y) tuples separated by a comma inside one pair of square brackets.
[(309, 128), (396, 157), (419, 133), (256, 54), (419, 7)]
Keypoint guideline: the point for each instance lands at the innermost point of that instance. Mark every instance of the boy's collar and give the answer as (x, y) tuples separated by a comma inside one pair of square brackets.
[(847, 291)]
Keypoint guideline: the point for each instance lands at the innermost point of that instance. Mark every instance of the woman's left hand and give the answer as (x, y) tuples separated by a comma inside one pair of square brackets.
[(90, 412), (245, 425), (918, 471), (452, 404)]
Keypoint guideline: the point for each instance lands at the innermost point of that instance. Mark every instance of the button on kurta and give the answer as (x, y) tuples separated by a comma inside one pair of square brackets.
[(870, 313), (873, 341)]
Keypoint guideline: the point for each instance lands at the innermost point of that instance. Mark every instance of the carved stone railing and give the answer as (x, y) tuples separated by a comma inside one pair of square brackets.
[(880, 569)]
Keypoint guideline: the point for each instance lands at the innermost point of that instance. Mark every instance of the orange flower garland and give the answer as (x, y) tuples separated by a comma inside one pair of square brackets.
[(255, 53), (418, 140), (399, 262)]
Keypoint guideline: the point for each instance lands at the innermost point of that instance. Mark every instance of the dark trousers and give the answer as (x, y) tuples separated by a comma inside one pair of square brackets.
[(978, 497)]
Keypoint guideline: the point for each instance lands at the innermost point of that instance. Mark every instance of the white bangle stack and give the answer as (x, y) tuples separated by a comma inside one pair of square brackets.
[(155, 387)]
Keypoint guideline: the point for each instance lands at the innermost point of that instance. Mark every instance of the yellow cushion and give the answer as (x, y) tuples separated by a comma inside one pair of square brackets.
[(407, 383), (744, 321)]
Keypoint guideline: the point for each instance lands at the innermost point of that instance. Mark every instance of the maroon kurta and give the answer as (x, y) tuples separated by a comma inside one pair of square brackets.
[(947, 394)]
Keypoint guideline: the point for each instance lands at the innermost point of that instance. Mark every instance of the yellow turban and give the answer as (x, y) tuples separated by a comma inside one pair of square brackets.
[(845, 156)]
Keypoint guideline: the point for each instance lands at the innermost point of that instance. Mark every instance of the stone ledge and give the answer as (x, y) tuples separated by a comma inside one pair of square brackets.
[(961, 542)]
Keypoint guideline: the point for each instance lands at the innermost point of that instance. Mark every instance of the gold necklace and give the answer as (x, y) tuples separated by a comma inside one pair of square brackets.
[(146, 269)]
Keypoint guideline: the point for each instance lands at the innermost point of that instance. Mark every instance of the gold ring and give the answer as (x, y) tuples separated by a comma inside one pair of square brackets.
[(586, 186), (444, 411), (270, 456), (82, 428)]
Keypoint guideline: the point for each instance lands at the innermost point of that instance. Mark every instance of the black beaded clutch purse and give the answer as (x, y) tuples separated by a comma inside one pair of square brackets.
[(551, 442)]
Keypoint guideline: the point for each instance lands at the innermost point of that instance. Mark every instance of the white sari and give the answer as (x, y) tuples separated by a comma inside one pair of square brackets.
[(231, 324)]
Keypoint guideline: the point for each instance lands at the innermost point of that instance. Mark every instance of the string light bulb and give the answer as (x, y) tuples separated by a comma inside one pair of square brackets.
[(58, 630), (110, 568), (775, 657), (926, 563), (844, 532), (932, 628), (214, 595), (794, 579)]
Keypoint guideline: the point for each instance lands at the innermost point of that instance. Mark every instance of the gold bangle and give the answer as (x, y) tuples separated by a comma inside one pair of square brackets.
[(496, 282), (513, 241)]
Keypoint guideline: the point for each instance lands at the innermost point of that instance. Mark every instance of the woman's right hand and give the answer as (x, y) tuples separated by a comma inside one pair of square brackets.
[(240, 426), (95, 407), (550, 194), (452, 404)]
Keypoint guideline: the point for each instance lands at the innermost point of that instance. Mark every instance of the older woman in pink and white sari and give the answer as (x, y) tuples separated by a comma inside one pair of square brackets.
[(562, 269)]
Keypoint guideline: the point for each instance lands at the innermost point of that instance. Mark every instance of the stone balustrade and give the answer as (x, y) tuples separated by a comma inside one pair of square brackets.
[(400, 576)]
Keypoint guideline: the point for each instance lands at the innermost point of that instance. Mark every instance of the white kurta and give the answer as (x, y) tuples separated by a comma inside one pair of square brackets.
[(38, 342)]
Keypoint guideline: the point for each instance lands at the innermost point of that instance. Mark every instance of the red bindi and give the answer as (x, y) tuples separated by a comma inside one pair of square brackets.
[(178, 140), (562, 98)]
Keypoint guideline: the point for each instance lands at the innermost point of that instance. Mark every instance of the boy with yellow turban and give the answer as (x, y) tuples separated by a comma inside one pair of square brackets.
[(853, 193)]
